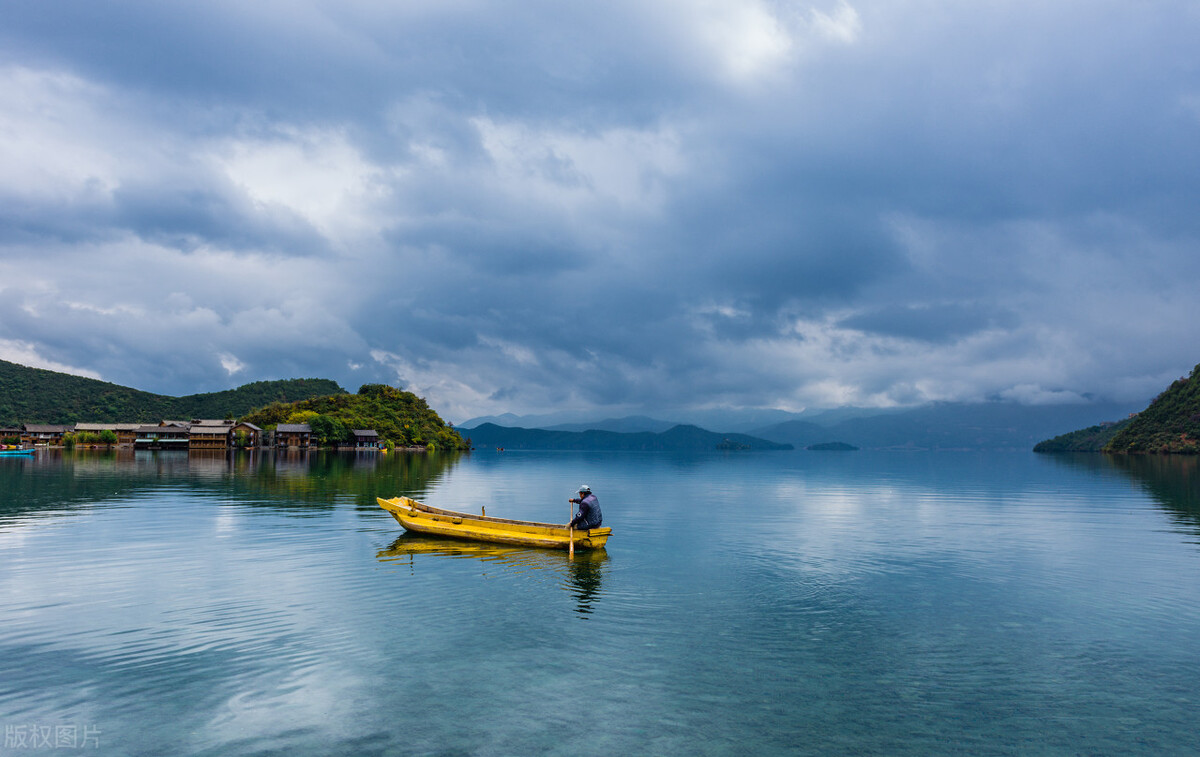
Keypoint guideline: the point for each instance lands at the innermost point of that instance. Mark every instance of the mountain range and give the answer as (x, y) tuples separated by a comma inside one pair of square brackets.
[(948, 425), (676, 438)]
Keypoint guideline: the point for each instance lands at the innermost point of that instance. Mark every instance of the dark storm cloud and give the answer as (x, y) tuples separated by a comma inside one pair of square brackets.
[(930, 323), (624, 206)]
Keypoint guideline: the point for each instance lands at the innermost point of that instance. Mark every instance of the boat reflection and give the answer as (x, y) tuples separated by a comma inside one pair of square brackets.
[(582, 575)]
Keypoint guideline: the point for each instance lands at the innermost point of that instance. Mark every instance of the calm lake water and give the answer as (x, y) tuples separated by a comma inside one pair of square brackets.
[(761, 603)]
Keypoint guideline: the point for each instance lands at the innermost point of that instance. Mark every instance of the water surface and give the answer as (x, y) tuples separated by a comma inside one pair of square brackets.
[(766, 603)]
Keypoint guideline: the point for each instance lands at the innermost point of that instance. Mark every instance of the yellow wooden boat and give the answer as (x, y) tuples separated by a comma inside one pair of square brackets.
[(421, 518)]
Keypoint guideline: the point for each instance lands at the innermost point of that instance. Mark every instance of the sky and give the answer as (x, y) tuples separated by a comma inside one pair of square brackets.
[(618, 208)]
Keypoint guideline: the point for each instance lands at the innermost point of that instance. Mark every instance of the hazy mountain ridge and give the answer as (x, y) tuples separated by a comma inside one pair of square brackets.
[(681, 437), (970, 426), (951, 425)]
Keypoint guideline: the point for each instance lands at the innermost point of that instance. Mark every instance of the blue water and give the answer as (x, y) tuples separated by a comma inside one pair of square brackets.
[(756, 603)]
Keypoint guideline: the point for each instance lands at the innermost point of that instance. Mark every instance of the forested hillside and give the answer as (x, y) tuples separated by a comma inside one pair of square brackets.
[(400, 417), (1170, 425), (35, 395), (1090, 439)]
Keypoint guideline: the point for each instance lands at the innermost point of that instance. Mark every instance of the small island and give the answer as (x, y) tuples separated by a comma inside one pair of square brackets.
[(832, 447)]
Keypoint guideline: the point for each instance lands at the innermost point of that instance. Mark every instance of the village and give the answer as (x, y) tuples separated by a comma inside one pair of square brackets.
[(197, 434)]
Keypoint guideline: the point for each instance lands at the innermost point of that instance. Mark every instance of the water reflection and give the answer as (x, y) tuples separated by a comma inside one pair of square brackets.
[(56, 480), (1173, 481), (582, 576)]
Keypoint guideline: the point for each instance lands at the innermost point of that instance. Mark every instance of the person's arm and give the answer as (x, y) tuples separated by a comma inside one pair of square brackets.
[(581, 516)]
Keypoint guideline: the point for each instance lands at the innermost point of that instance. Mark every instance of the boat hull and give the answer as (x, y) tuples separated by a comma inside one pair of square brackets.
[(421, 518)]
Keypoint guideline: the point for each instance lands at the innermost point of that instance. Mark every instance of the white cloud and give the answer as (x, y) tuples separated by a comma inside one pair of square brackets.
[(55, 142), (842, 25), (230, 363), (316, 173), (575, 170)]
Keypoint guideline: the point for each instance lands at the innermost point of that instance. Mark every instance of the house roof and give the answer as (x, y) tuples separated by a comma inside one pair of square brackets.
[(365, 432), (46, 428), (152, 429), (107, 426), (248, 425), (293, 428)]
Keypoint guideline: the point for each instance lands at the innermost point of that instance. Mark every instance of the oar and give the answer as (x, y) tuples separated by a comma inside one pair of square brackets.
[(571, 530)]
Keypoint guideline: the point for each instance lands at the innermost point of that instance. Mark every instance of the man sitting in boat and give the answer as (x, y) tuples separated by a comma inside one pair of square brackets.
[(589, 510)]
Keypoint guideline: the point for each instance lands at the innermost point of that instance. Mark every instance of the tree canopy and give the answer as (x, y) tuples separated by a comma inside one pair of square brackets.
[(399, 417)]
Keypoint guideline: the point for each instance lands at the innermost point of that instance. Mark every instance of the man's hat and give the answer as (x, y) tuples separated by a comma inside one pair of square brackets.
[(584, 488)]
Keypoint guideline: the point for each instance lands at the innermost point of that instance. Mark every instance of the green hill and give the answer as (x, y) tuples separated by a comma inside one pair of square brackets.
[(1170, 425), (35, 395), (1090, 439), (400, 417)]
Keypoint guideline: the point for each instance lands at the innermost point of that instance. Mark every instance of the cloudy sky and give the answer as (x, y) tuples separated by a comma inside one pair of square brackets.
[(621, 206)]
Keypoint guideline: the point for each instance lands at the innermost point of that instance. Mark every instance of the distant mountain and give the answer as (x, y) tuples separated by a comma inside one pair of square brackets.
[(1171, 424), (950, 425), (35, 395), (798, 433), (509, 420), (630, 424), (678, 438), (740, 421)]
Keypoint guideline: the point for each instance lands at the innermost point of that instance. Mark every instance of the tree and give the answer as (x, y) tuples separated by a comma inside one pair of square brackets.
[(327, 431), (108, 436), (302, 416)]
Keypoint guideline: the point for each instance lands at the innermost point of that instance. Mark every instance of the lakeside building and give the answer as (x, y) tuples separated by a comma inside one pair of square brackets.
[(169, 436), (293, 435), (203, 437), (365, 438), (126, 432), (44, 433), (254, 434), (195, 434)]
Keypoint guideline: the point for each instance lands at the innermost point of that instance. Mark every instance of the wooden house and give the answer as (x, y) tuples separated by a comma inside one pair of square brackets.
[(293, 435), (169, 436), (44, 433), (365, 439), (203, 437), (254, 434)]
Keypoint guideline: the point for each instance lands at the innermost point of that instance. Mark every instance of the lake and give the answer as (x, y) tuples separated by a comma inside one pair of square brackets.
[(821, 603)]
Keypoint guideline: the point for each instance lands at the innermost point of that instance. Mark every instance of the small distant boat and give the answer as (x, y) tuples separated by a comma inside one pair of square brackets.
[(421, 518)]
